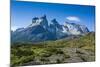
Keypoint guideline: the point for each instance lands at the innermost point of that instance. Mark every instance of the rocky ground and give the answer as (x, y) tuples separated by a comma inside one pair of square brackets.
[(80, 49)]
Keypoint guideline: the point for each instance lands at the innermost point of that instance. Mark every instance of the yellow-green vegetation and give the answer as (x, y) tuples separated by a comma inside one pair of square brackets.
[(81, 49)]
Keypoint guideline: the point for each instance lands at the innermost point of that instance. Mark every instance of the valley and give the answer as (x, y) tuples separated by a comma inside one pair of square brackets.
[(81, 49)]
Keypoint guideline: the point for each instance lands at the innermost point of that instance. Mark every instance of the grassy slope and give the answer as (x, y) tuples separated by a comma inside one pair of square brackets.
[(60, 51)]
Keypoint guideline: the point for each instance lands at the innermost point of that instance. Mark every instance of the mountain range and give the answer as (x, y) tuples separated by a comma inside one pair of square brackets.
[(41, 30)]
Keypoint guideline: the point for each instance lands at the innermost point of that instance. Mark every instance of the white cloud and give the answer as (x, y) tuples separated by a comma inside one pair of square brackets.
[(73, 18)]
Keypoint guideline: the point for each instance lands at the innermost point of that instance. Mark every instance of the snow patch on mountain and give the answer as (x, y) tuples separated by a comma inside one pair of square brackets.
[(40, 30)]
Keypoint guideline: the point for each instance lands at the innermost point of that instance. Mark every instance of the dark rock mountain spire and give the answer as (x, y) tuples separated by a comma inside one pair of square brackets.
[(39, 30)]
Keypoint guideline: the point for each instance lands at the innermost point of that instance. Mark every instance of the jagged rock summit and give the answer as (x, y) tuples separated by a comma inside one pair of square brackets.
[(39, 30)]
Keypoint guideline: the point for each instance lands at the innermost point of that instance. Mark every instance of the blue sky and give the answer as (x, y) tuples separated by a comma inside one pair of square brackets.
[(23, 12)]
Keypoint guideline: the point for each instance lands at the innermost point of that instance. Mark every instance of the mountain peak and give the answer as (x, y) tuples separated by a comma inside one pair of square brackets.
[(66, 23), (39, 30), (43, 17), (34, 19), (42, 21), (54, 21)]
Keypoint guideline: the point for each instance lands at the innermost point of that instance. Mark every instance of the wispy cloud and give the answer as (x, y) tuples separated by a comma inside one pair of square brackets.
[(73, 18)]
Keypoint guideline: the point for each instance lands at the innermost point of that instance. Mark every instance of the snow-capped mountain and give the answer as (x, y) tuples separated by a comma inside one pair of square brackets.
[(74, 29), (39, 21), (39, 30)]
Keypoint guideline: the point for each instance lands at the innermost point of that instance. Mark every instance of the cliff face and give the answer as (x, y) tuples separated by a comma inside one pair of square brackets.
[(39, 30)]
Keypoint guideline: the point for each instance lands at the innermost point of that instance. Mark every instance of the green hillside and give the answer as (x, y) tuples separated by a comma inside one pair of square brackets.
[(81, 49)]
